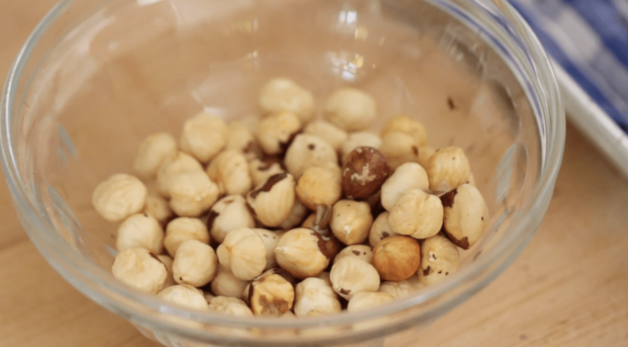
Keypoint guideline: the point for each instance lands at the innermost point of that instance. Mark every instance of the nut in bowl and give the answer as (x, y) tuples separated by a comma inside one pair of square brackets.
[(167, 178)]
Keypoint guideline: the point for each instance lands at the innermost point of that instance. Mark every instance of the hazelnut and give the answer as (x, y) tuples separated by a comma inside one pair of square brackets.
[(407, 176), (315, 297), (302, 252), (319, 186), (351, 109), (351, 221), (328, 132), (182, 163), (465, 215), (351, 275), (425, 152), (153, 152), (229, 305), (226, 284), (380, 229), (309, 221), (447, 169), (277, 131), (243, 253), (208, 297), (417, 214), (270, 242), (365, 300), (204, 136), (397, 258), (230, 212), (296, 216), (307, 151), (184, 295), (407, 125), (182, 229), (158, 208), (402, 289), (241, 139), (363, 172), (399, 148), (140, 231), (167, 261), (440, 258), (361, 252), (272, 293), (281, 94), (230, 171), (119, 196), (272, 202), (194, 263), (261, 170), (192, 194), (360, 139), (140, 269)]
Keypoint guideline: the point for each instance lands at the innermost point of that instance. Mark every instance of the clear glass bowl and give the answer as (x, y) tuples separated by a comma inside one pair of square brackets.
[(97, 76)]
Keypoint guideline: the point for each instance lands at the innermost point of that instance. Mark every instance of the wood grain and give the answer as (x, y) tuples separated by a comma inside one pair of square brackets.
[(568, 288)]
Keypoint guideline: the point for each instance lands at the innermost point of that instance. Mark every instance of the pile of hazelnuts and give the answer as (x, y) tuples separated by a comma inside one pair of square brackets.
[(284, 215)]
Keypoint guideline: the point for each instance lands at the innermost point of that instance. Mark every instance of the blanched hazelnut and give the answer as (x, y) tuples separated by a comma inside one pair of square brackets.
[(229, 305), (140, 231), (363, 172), (208, 296), (230, 171), (351, 221), (360, 139), (361, 252), (315, 297), (380, 229), (307, 151), (194, 263), (119, 196), (277, 131), (399, 148), (204, 136), (241, 139), (407, 125), (281, 94), (425, 152), (182, 229), (397, 258), (302, 252), (407, 176), (140, 269), (167, 261), (447, 169), (158, 208), (192, 194), (417, 214), (351, 275), (227, 214), (319, 186), (226, 284), (272, 293), (351, 109), (402, 289), (262, 169), (184, 295), (182, 163), (243, 253), (364, 301), (296, 216), (440, 259), (328, 132), (272, 202), (270, 242), (465, 215), (155, 150)]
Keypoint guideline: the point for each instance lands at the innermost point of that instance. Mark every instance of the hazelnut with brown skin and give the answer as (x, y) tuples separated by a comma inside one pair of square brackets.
[(465, 215), (397, 258), (447, 169), (360, 139), (351, 221), (440, 258), (272, 293), (272, 202), (364, 171), (302, 252)]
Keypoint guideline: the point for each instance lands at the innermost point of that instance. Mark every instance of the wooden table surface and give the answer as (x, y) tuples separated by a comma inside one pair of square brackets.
[(568, 288)]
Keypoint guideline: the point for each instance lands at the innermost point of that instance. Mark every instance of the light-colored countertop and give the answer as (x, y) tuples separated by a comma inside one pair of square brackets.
[(568, 288)]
